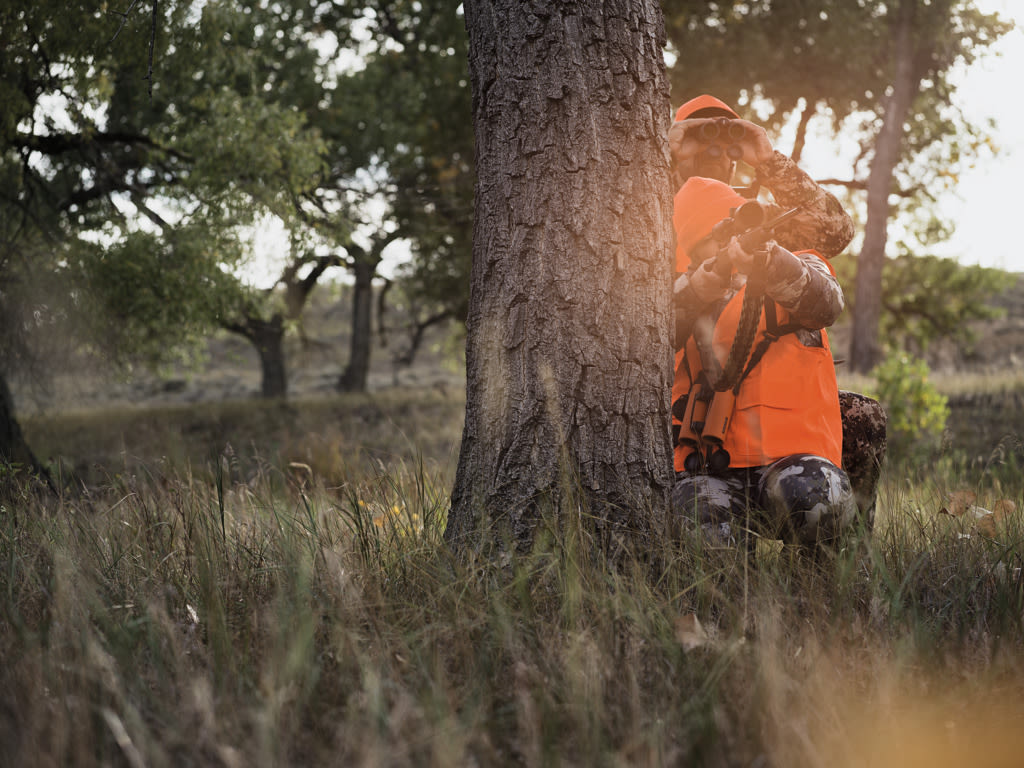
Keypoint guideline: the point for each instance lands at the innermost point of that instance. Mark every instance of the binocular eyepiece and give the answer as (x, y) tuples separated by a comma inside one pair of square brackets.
[(722, 130)]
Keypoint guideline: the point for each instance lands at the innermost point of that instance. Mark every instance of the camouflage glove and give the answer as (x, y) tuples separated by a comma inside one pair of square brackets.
[(703, 283), (744, 260)]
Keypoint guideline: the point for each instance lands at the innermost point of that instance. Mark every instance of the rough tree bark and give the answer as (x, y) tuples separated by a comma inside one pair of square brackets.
[(568, 349), (865, 346)]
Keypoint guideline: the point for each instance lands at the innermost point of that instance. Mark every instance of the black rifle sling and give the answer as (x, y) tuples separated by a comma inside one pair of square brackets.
[(773, 331)]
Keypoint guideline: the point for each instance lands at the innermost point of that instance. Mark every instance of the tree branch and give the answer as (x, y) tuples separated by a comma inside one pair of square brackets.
[(124, 19), (856, 184), (801, 131), (152, 36), (848, 183)]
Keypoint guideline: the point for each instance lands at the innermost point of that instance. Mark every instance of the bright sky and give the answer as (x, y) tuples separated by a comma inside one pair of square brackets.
[(989, 209), (982, 204)]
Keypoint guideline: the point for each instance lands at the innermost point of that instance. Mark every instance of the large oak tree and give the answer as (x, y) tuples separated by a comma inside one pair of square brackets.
[(569, 348)]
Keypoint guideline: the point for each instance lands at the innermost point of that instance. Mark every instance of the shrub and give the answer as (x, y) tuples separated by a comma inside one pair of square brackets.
[(917, 412)]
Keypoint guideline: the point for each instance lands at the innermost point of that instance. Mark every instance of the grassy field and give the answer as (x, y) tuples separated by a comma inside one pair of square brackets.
[(246, 584)]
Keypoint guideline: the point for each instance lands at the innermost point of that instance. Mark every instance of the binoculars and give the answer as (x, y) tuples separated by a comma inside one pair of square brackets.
[(705, 415), (721, 131)]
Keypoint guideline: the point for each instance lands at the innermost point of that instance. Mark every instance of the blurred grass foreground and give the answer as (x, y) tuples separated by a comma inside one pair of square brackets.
[(246, 584)]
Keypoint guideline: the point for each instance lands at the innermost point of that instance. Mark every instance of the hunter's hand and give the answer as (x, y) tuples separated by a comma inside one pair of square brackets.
[(743, 260), (756, 146), (705, 284), (683, 141)]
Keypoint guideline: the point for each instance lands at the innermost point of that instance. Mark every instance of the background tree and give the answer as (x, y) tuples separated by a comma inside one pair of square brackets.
[(399, 123), (130, 193), (925, 39), (926, 298), (568, 349), (58, 163)]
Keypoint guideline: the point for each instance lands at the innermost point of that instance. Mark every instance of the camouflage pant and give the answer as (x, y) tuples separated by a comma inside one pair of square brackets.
[(800, 498)]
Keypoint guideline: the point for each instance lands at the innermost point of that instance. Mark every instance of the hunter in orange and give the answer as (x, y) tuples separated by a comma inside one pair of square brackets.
[(755, 399)]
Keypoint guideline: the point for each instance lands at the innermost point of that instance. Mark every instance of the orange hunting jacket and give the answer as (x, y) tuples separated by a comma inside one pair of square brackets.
[(788, 403)]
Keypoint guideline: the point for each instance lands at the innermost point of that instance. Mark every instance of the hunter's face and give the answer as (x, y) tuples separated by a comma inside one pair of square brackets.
[(720, 168)]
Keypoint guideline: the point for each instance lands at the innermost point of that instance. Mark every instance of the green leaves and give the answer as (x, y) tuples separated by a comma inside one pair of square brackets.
[(158, 294), (143, 197), (927, 298), (917, 412), (251, 155)]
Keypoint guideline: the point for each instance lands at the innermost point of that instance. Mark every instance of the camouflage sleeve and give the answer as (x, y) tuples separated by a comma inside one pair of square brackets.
[(803, 286), (822, 224)]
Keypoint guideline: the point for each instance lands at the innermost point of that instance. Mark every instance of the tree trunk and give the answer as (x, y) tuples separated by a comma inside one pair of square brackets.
[(865, 346), (269, 341), (354, 377), (14, 450), (568, 350), (268, 338)]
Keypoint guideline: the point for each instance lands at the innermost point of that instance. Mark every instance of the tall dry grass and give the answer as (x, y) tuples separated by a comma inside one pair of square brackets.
[(304, 611)]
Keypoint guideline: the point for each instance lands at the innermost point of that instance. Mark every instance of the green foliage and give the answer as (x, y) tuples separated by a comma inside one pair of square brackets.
[(843, 52), (125, 194), (405, 115), (158, 293), (928, 298), (916, 411), (756, 47)]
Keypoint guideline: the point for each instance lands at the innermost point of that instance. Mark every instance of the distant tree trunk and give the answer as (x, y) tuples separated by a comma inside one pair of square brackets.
[(363, 262), (269, 341), (569, 356), (14, 449), (865, 346), (267, 336), (353, 378)]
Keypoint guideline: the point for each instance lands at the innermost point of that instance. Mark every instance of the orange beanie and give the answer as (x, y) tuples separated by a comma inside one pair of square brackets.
[(700, 204), (704, 106)]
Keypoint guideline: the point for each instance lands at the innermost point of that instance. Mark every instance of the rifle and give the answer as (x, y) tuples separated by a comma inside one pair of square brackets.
[(747, 223)]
